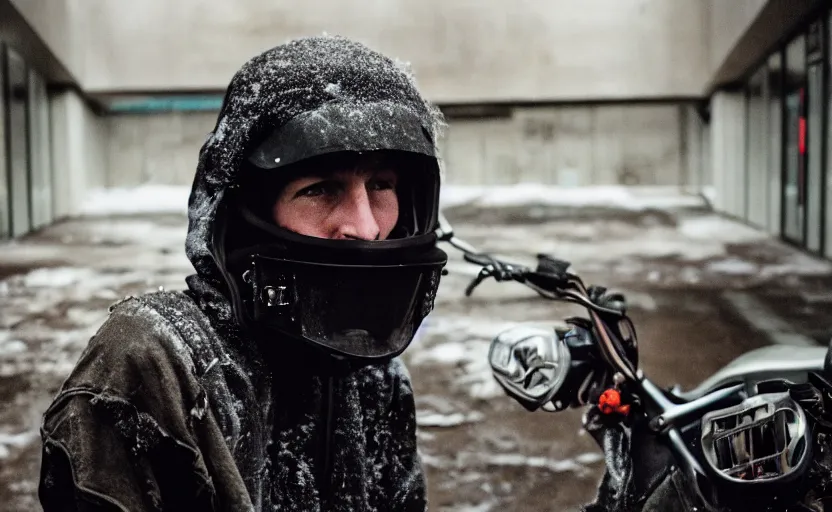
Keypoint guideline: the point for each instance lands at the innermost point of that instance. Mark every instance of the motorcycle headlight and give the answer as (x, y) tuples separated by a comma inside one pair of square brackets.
[(530, 363)]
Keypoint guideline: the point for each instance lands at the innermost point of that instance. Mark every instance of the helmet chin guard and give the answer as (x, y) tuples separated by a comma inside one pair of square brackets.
[(356, 312)]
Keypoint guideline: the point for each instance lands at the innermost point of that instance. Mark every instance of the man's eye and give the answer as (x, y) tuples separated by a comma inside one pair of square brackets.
[(382, 185), (318, 189)]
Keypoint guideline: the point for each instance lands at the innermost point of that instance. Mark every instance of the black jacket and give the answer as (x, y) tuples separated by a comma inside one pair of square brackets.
[(172, 407)]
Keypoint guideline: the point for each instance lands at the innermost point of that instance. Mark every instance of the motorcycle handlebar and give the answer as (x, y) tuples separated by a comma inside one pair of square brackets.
[(552, 280), (477, 258)]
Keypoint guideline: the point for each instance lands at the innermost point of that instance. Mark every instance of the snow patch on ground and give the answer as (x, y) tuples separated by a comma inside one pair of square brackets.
[(732, 266), (558, 466), (13, 442), (467, 507), (434, 419), (717, 228), (11, 347), (472, 357), (579, 464), (607, 242), (58, 277), (140, 199), (794, 264)]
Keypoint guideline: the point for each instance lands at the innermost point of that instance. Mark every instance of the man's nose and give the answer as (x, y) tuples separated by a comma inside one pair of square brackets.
[(356, 218)]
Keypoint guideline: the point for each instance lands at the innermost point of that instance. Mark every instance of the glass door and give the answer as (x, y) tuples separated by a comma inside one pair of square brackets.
[(794, 178), (814, 139), (774, 123), (828, 212)]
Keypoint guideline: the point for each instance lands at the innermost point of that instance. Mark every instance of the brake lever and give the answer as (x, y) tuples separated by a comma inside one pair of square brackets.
[(478, 258), (476, 281)]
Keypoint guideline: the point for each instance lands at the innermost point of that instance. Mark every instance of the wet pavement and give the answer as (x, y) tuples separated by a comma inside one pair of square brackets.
[(702, 289)]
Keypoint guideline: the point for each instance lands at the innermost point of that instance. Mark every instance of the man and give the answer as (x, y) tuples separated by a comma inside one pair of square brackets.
[(272, 382)]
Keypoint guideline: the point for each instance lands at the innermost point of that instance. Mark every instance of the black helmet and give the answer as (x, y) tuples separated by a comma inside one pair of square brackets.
[(355, 299)]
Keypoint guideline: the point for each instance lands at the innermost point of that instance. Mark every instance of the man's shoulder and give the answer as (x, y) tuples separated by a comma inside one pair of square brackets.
[(139, 360), (152, 325), (133, 393), (146, 340)]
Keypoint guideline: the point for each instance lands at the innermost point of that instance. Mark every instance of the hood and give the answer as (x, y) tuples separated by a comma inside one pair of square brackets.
[(300, 78)]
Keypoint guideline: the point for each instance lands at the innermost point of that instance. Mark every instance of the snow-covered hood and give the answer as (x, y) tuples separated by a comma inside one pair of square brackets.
[(299, 77)]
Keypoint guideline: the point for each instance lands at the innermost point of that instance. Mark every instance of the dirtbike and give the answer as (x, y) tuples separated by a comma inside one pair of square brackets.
[(753, 437)]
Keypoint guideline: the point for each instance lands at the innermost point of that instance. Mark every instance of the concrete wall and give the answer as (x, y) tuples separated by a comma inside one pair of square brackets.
[(462, 51), (571, 145), (158, 149), (79, 161)]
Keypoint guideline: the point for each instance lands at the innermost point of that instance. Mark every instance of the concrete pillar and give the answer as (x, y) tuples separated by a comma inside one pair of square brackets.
[(728, 152), (39, 152), (79, 139)]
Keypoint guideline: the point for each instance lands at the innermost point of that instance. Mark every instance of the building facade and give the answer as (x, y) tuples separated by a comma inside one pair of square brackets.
[(729, 98), (774, 128), (25, 149)]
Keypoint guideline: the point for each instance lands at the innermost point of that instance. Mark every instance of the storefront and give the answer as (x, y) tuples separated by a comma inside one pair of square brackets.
[(25, 167), (788, 164)]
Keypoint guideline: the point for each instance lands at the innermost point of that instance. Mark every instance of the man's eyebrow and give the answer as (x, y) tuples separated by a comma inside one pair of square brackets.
[(358, 170), (323, 174)]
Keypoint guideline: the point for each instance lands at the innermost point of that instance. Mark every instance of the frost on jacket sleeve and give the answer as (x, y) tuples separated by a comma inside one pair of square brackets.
[(407, 474), (118, 437)]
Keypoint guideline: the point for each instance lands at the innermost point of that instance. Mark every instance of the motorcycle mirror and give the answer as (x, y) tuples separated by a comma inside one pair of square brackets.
[(445, 233), (530, 363)]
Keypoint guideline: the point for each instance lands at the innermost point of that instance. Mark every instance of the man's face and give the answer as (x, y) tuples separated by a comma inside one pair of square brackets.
[(358, 203)]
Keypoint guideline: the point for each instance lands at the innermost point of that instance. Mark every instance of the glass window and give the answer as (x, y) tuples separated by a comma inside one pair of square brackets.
[(5, 206), (794, 186), (814, 136), (18, 82), (774, 122)]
